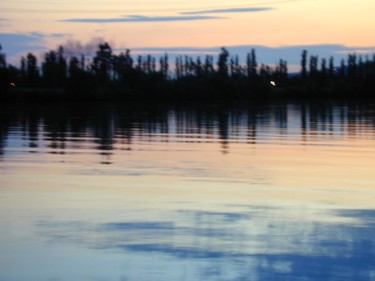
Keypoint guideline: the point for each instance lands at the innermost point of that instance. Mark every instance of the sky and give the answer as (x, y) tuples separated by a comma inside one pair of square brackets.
[(277, 29)]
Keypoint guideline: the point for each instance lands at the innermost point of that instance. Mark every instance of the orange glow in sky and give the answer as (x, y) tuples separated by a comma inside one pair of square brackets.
[(143, 23)]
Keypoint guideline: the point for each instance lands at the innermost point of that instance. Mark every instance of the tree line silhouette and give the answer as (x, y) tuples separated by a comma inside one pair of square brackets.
[(120, 76)]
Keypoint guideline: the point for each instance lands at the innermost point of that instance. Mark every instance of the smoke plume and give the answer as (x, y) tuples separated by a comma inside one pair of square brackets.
[(77, 48)]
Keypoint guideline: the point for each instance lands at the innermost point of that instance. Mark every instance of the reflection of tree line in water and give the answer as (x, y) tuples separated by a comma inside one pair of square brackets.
[(111, 127), (120, 76)]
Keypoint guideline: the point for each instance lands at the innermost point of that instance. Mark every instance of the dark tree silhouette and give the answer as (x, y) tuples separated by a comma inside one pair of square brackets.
[(123, 67), (74, 67), (303, 63), (222, 63), (164, 66), (352, 66), (3, 71), (117, 76), (199, 71), (208, 66), (62, 67), (252, 64), (313, 66), (331, 68), (281, 71), (102, 63), (54, 69), (323, 67), (178, 66), (2, 58), (342, 69), (29, 70), (235, 67)]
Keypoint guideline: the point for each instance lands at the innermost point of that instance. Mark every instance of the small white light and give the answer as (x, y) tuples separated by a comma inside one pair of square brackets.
[(273, 83), (13, 84)]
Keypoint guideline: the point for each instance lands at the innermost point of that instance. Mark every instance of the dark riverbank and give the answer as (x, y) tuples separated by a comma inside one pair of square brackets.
[(172, 94)]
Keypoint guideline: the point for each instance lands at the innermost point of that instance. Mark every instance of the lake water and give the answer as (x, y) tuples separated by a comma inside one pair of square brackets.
[(131, 192)]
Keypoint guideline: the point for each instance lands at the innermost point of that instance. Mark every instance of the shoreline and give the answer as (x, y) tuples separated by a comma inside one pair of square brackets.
[(119, 94)]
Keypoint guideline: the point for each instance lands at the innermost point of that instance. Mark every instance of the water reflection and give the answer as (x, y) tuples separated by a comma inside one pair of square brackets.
[(108, 128), (258, 242), (269, 191)]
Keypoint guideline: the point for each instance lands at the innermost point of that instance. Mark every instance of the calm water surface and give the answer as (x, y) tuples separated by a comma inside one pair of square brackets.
[(280, 191)]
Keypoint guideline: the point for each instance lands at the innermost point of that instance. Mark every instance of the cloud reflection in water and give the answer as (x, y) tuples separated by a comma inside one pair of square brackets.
[(264, 243)]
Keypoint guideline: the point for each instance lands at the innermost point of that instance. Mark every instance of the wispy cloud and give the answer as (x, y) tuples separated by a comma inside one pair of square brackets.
[(183, 16), (45, 35), (140, 18), (232, 10)]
